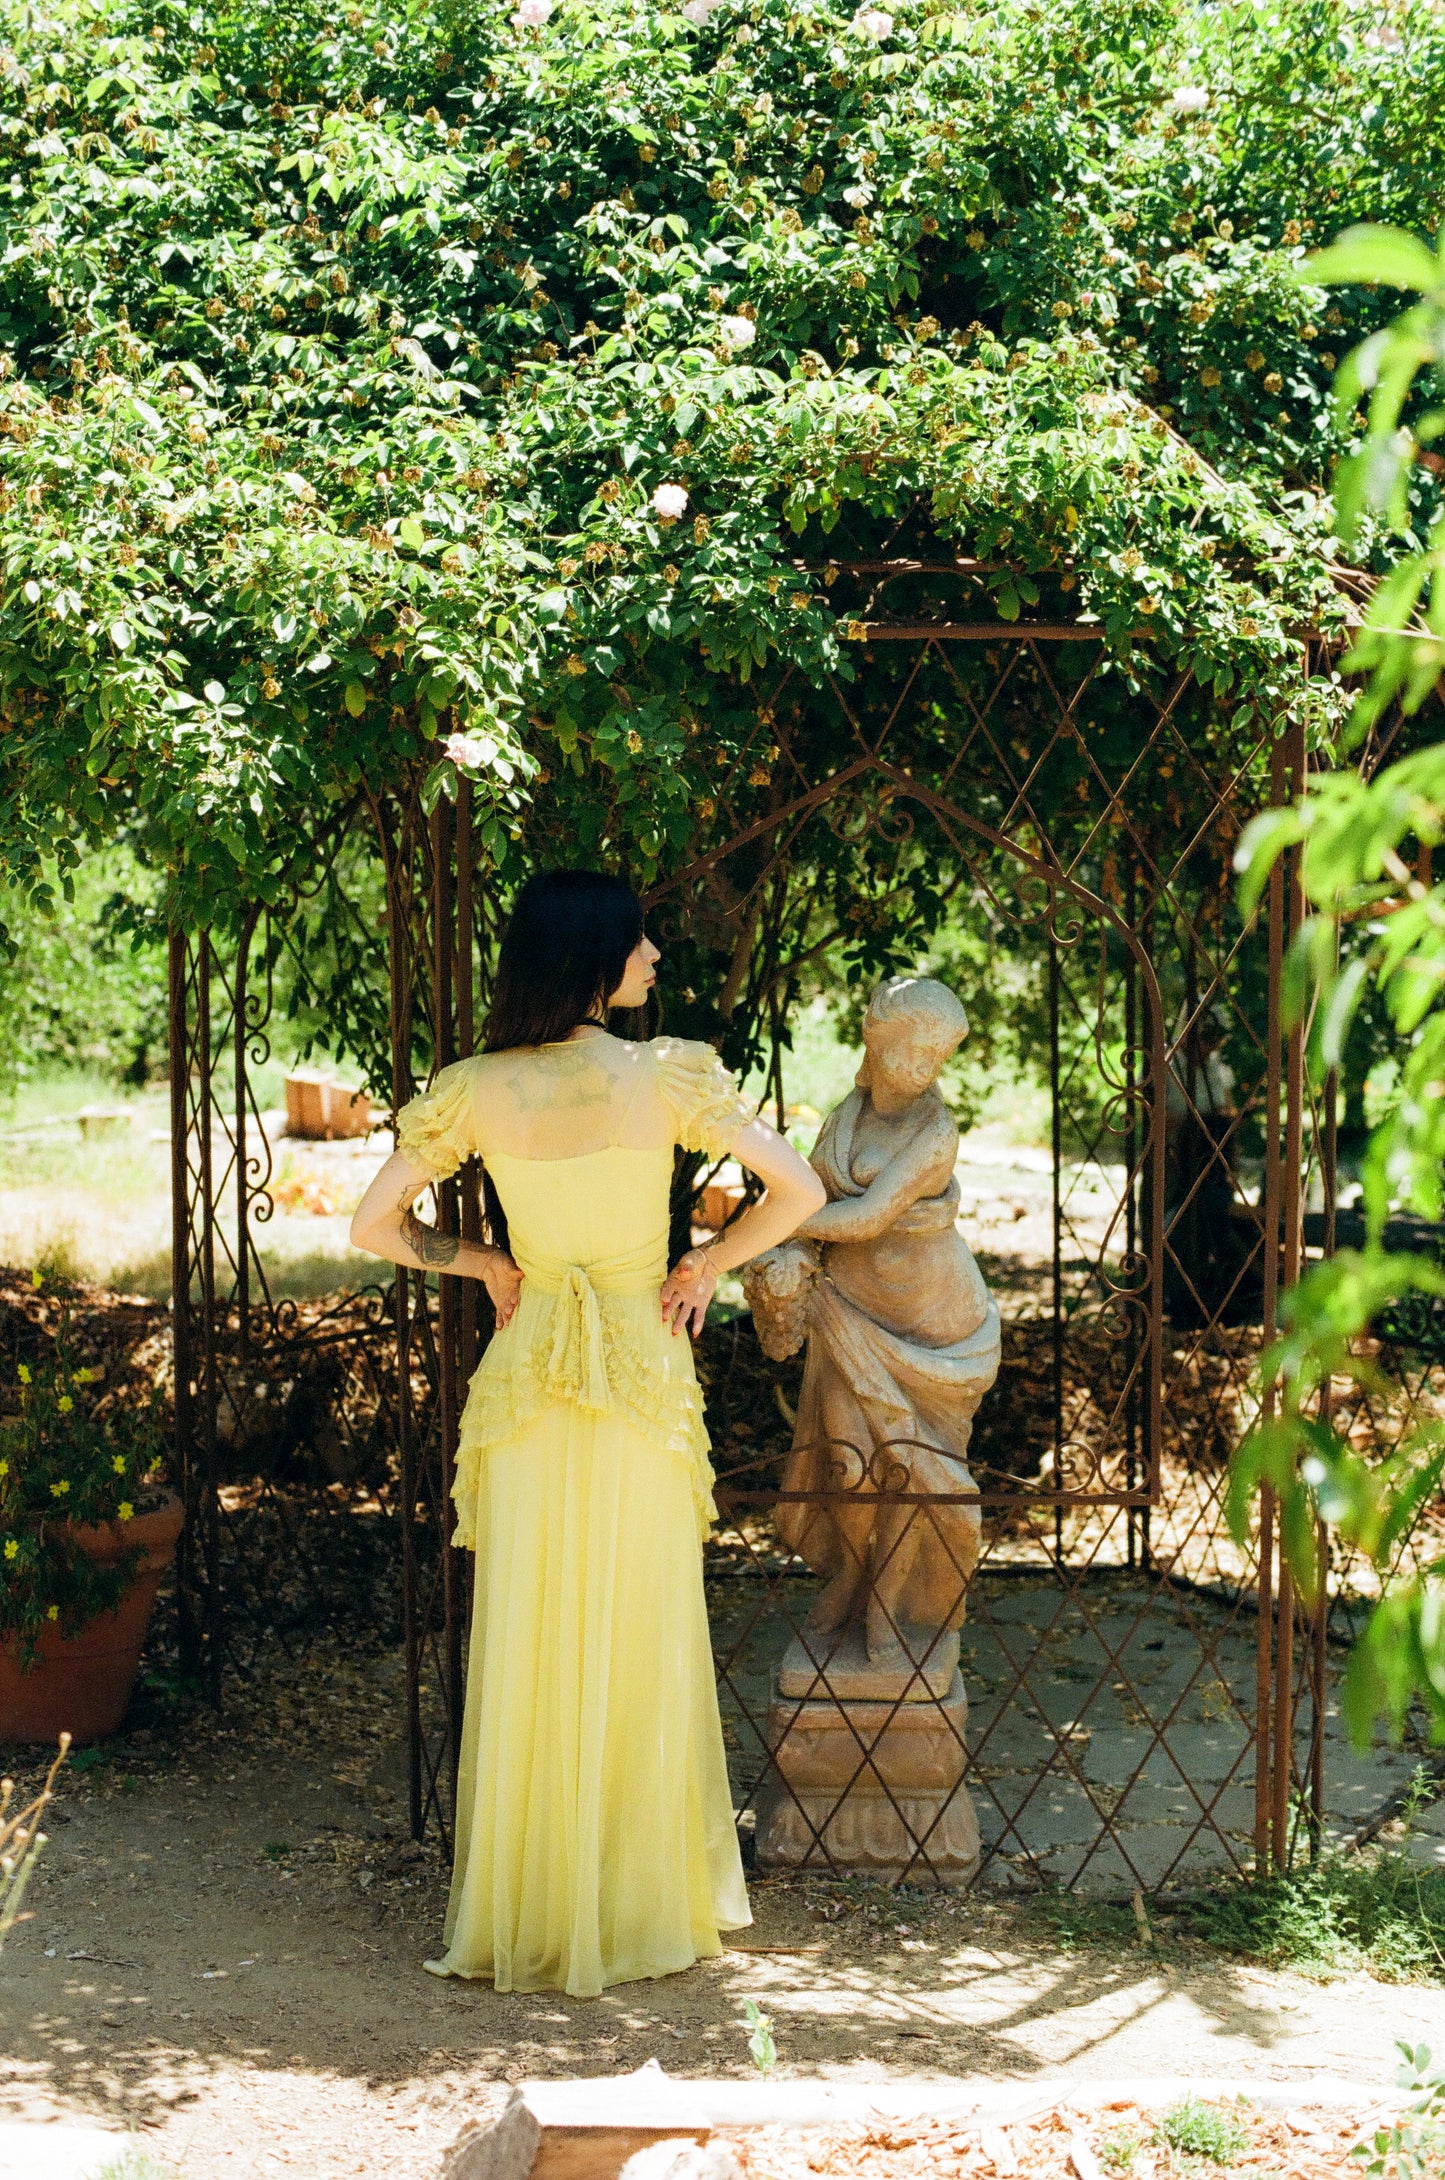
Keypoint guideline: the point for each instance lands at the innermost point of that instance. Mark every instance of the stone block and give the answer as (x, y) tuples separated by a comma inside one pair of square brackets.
[(48, 2150), (1148, 1856), (838, 1666), (1057, 1813), (497, 2145), (684, 2160)]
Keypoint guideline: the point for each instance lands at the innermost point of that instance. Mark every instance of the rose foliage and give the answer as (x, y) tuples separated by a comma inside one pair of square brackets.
[(387, 373)]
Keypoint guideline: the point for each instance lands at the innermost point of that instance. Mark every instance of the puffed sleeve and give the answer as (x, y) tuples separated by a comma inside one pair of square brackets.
[(708, 1110), (438, 1129)]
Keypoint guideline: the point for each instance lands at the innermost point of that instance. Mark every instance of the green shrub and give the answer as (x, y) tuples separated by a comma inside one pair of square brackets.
[(1382, 1914), (76, 993), (1414, 2147)]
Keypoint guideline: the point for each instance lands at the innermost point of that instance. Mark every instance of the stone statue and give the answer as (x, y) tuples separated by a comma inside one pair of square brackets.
[(902, 1344)]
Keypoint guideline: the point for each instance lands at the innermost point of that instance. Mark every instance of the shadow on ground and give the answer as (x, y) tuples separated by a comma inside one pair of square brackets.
[(227, 1932)]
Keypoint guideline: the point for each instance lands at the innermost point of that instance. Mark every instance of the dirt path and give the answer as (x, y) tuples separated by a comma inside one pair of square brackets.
[(228, 1928)]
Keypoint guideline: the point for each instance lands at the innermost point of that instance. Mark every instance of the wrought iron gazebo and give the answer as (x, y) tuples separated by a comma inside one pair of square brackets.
[(1150, 1702)]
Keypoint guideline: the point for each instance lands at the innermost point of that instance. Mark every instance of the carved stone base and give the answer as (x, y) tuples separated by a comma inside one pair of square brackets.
[(838, 1666), (906, 1811)]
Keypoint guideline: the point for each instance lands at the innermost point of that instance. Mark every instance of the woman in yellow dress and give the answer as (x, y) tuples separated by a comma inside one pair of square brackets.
[(595, 1839)]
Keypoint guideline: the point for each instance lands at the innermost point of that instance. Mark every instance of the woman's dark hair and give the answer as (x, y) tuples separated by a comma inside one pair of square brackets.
[(562, 955)]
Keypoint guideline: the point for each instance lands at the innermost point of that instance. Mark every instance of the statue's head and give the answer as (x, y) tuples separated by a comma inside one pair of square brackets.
[(913, 1027)]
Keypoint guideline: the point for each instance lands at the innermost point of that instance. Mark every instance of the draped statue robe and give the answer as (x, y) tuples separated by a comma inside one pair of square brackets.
[(883, 1410)]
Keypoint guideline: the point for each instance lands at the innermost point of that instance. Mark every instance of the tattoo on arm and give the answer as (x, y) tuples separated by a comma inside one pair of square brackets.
[(426, 1244)]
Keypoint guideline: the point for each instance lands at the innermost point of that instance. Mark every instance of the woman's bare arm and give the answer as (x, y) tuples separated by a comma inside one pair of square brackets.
[(385, 1225), (793, 1192)]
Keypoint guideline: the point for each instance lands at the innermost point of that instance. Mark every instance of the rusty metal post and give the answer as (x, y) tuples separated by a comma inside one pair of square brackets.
[(1320, 1623), (1056, 1149), (1292, 1179), (449, 1297), (1131, 1196), (190, 1636), (209, 1512), (396, 851), (243, 1194), (1270, 1192)]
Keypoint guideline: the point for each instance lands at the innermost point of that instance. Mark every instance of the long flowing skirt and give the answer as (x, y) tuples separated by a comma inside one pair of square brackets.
[(595, 1839)]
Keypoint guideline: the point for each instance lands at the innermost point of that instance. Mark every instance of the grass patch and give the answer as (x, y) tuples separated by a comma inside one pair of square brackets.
[(134, 2165), (1197, 2129), (1119, 2149), (1380, 1914)]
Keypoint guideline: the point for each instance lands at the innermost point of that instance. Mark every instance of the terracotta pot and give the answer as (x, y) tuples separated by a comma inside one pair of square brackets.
[(81, 1683)]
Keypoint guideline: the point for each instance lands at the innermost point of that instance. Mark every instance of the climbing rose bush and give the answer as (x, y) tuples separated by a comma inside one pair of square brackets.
[(382, 374)]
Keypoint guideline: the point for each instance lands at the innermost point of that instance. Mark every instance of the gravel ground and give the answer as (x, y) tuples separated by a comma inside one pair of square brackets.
[(227, 1931)]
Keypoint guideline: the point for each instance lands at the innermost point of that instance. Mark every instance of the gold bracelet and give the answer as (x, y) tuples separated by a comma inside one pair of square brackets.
[(705, 1253)]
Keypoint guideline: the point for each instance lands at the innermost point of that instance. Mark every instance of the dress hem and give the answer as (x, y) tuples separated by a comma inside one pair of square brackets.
[(640, 1975)]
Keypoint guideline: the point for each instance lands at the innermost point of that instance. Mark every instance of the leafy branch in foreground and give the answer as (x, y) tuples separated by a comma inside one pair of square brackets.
[(1410, 2150), (21, 1841), (1377, 919)]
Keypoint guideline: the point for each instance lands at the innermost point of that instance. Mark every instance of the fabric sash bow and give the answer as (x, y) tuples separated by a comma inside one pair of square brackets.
[(577, 1364)]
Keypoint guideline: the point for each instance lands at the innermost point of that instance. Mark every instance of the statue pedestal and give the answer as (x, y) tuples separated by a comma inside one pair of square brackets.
[(838, 1667), (866, 1782)]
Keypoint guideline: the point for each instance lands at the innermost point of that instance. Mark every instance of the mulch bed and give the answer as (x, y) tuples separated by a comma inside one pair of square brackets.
[(123, 1339), (1121, 2141)]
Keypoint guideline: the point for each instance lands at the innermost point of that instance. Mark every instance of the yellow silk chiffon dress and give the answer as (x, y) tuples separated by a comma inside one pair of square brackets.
[(595, 1834)]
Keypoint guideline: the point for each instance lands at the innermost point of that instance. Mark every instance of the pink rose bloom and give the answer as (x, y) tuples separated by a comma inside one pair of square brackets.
[(873, 23), (465, 751), (669, 501)]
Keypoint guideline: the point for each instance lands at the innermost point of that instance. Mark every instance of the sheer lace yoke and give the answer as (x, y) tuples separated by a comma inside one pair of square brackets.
[(570, 1100), (548, 1103)]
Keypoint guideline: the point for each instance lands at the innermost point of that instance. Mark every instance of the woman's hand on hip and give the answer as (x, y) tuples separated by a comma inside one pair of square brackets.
[(687, 1291), (502, 1278)]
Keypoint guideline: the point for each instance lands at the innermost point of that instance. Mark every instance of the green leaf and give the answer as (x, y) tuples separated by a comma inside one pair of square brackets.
[(353, 696), (150, 417), (1386, 254), (411, 533), (1341, 1009)]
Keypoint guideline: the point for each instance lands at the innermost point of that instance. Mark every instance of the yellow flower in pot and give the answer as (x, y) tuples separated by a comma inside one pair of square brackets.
[(88, 1528)]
